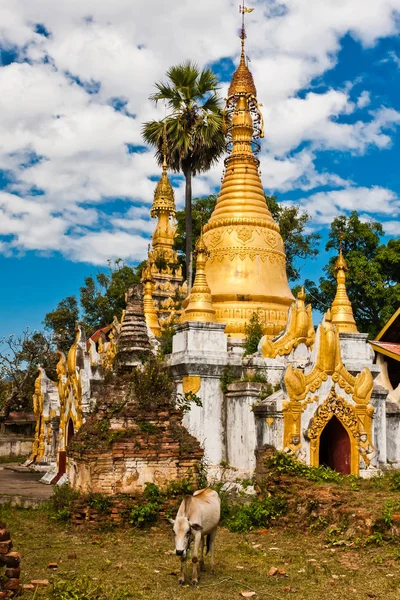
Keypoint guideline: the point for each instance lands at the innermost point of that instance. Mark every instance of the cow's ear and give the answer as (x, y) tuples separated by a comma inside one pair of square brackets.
[(171, 521), (196, 526)]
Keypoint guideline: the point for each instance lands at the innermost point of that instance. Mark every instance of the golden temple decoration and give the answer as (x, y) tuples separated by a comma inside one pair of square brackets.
[(246, 270), (107, 346), (70, 387), (335, 406), (342, 312), (167, 288), (38, 447), (302, 387), (199, 307), (299, 330), (150, 312), (191, 384)]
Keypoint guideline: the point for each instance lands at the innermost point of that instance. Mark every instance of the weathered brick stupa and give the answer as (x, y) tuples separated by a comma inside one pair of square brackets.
[(135, 435)]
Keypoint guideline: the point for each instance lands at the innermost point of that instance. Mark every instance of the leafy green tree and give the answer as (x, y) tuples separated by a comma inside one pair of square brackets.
[(103, 297), (291, 220), (20, 357), (61, 321), (202, 209), (373, 278), (299, 245), (195, 136)]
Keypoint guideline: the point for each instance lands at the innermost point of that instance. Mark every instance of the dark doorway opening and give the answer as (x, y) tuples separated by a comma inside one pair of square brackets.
[(334, 447), (70, 431)]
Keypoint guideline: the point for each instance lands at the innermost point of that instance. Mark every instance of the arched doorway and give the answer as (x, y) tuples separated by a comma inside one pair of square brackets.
[(70, 431), (334, 447)]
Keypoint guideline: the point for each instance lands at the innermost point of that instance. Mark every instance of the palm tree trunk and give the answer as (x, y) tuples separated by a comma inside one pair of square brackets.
[(189, 233)]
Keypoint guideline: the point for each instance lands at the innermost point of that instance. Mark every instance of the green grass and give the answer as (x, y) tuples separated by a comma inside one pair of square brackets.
[(12, 459), (127, 563)]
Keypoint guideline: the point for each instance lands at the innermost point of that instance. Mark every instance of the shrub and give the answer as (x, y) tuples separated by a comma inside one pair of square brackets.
[(394, 481), (165, 339), (61, 502), (285, 464), (152, 385), (253, 333), (259, 513), (184, 401), (100, 502), (144, 515), (179, 487), (228, 377)]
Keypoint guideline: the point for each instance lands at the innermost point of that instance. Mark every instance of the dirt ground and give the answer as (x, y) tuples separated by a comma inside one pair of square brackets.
[(21, 486), (127, 563)]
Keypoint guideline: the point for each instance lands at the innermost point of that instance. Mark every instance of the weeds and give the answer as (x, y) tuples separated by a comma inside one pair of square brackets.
[(259, 513), (61, 502), (285, 464), (84, 589), (99, 502)]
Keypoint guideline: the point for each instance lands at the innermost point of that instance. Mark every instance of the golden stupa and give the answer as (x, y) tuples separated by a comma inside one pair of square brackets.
[(199, 306), (246, 270), (167, 284), (342, 311)]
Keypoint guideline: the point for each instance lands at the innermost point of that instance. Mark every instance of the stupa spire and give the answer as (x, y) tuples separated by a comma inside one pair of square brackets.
[(199, 307), (163, 207), (342, 311), (246, 270)]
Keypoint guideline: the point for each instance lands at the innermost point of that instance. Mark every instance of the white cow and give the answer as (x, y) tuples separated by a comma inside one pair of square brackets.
[(198, 517)]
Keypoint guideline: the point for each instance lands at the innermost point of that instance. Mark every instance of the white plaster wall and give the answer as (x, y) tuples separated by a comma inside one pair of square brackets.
[(379, 432), (206, 422), (241, 438), (14, 446), (393, 438), (200, 340)]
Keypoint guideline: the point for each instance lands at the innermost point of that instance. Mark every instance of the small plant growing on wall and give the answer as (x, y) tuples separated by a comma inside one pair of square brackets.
[(253, 334)]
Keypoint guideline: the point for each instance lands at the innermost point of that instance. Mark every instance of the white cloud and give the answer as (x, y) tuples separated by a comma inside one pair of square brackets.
[(58, 138), (391, 227), (323, 207)]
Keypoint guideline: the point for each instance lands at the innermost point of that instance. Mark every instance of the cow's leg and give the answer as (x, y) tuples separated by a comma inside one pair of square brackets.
[(195, 558), (202, 554), (212, 545), (181, 579)]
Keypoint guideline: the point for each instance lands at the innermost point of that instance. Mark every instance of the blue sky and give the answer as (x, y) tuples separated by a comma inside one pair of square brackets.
[(76, 182)]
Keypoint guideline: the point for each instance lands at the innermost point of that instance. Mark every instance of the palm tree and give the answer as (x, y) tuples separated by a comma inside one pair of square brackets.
[(195, 138)]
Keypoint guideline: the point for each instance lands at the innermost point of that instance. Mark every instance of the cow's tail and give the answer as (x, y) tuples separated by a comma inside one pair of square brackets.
[(208, 540)]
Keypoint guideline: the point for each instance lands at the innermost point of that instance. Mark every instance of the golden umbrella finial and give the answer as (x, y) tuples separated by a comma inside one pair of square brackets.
[(164, 148), (243, 10)]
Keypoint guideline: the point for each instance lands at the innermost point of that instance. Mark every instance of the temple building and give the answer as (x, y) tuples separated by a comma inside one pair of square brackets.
[(319, 394)]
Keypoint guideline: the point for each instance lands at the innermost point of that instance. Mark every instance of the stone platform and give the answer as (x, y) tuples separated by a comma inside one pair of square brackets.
[(21, 487)]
